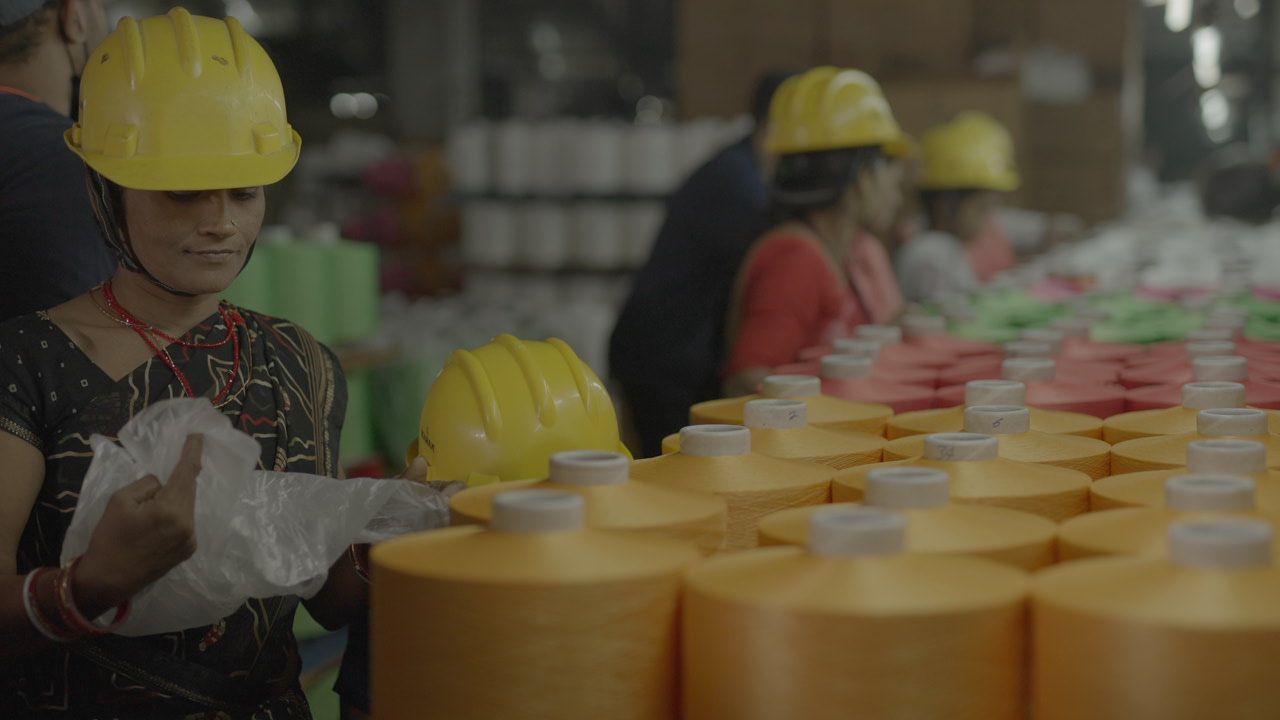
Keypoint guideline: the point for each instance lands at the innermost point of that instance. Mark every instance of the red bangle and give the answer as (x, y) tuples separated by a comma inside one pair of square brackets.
[(46, 628), (72, 615)]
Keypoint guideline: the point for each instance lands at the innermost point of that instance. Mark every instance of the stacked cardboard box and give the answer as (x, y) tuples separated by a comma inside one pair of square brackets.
[(723, 46), (1074, 158), (900, 38), (1105, 33)]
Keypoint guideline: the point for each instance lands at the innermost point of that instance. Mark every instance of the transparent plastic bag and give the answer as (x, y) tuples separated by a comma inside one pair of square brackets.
[(258, 534)]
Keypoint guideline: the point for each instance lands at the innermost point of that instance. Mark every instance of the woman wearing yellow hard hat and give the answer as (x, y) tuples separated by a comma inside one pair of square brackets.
[(968, 167), (818, 271), (182, 124)]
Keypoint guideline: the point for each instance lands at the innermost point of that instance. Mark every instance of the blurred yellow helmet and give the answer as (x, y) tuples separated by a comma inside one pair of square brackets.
[(181, 102), (829, 108), (972, 152), (499, 412)]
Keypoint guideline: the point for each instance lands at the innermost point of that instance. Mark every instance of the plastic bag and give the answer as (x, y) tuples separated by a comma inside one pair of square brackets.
[(258, 534)]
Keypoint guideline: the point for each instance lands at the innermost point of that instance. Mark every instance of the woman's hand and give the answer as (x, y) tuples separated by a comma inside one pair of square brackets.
[(146, 531), (417, 470)]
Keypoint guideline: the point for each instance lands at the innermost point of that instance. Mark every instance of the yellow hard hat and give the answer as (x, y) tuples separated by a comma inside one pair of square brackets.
[(500, 412), (180, 102), (972, 152), (829, 108)]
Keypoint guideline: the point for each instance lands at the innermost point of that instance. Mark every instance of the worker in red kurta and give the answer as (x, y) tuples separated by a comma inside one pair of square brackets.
[(819, 271)]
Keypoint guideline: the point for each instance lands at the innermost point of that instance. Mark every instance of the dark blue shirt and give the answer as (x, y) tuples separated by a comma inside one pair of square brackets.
[(52, 247), (667, 346)]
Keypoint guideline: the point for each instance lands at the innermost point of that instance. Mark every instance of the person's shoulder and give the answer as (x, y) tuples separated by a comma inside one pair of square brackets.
[(286, 332), (277, 327), (784, 241), (32, 327), (29, 344), (34, 151), (789, 256), (734, 166), (26, 121)]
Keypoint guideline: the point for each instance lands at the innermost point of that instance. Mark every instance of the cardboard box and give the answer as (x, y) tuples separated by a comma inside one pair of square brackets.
[(900, 38), (1093, 188), (1094, 127), (1106, 33), (919, 106), (1000, 24), (723, 46)]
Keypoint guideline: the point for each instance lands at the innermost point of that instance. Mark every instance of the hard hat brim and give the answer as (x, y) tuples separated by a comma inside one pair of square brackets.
[(193, 172), (1008, 183), (902, 147)]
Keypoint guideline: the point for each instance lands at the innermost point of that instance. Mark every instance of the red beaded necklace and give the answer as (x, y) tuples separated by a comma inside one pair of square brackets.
[(230, 318)]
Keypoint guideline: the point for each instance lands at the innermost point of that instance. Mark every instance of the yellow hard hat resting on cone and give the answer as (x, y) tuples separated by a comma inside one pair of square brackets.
[(972, 152), (829, 108), (499, 412), (179, 102)]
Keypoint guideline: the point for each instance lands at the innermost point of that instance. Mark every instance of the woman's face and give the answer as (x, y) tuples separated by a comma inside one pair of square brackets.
[(878, 196), (195, 242), (974, 212)]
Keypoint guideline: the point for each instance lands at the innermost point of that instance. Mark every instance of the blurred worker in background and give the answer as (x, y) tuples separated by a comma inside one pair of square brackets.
[(666, 348), (52, 247), (819, 271), (968, 166)]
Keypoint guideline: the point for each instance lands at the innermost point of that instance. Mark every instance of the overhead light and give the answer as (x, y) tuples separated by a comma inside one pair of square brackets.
[(366, 105), (1215, 113), (1206, 53), (344, 106), (243, 11), (1247, 9), (1177, 14), (649, 110), (545, 37)]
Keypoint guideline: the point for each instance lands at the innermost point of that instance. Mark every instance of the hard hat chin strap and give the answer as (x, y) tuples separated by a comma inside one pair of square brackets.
[(108, 208)]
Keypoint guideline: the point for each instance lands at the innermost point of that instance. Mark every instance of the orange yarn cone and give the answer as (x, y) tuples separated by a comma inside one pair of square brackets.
[(853, 627), (534, 616), (935, 525), (1206, 619), (992, 392), (612, 501), (825, 412), (1012, 427), (1047, 391), (718, 459), (780, 429), (980, 476), (1174, 421), (1240, 458), (1142, 531), (1170, 451)]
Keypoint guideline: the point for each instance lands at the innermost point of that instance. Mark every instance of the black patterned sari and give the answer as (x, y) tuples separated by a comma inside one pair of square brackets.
[(291, 399)]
